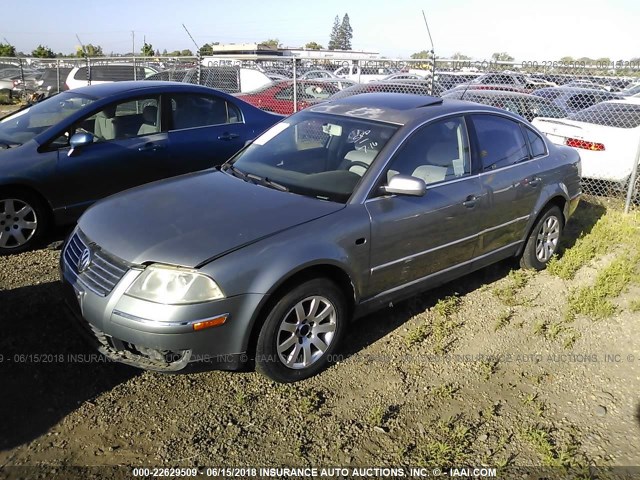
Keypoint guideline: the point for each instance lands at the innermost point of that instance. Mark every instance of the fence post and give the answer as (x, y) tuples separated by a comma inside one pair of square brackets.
[(295, 86), (88, 69), (57, 75), (199, 60), (632, 182), (24, 85), (135, 69)]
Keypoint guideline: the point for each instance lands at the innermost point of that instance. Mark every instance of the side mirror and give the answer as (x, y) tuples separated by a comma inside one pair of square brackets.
[(79, 140), (406, 185)]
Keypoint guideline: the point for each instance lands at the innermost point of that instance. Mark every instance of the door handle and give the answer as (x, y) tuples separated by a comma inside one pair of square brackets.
[(534, 182), (470, 202), (150, 147), (228, 136)]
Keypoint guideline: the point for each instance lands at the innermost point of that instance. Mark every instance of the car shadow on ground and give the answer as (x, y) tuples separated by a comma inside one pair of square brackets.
[(371, 328), (581, 223), (47, 368)]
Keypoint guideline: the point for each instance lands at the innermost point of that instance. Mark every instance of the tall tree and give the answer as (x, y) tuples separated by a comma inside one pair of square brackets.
[(345, 33), (502, 57), (147, 50), (186, 53), (7, 50), (43, 52), (206, 49), (459, 56), (271, 43), (313, 46), (334, 40), (92, 51), (422, 54)]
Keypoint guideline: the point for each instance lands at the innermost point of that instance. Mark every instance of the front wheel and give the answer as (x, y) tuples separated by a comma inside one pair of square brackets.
[(543, 240), (22, 221), (302, 331)]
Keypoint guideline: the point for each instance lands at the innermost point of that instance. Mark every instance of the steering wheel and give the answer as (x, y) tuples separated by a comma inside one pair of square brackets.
[(358, 163)]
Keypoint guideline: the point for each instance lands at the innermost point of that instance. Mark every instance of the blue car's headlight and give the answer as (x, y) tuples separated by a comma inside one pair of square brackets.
[(174, 286)]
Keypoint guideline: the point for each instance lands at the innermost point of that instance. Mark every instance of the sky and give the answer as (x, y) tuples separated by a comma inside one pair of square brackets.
[(540, 30)]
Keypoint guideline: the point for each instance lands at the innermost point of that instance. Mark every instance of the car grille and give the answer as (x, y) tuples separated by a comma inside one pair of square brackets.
[(104, 270)]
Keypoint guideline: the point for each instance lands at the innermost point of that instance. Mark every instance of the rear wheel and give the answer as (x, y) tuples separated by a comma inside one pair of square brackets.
[(543, 240), (22, 221), (302, 331)]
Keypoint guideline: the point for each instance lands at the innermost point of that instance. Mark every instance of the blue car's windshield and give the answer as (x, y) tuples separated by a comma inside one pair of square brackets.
[(25, 124), (313, 154)]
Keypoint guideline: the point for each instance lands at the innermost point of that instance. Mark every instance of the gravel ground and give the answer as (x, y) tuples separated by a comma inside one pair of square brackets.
[(469, 380)]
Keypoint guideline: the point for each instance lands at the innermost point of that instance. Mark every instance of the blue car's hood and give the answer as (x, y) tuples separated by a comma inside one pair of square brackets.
[(191, 219)]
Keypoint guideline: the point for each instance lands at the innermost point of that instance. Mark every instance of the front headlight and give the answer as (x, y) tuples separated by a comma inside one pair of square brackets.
[(174, 286)]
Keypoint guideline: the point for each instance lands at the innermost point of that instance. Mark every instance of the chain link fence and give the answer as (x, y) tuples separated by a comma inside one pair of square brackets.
[(587, 105)]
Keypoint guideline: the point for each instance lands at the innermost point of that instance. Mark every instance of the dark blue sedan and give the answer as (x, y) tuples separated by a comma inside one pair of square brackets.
[(59, 156)]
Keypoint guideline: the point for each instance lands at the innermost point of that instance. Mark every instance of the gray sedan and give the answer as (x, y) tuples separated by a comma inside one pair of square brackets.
[(332, 213)]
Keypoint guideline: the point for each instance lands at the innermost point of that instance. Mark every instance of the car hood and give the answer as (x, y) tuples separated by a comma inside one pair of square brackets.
[(196, 218)]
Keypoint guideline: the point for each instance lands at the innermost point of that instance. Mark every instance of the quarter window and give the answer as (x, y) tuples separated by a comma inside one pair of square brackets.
[(537, 144), (500, 141)]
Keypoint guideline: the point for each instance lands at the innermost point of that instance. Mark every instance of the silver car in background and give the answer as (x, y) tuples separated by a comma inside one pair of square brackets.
[(331, 214)]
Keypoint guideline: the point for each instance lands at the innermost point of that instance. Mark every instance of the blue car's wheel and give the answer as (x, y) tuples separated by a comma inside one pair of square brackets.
[(22, 221), (302, 331)]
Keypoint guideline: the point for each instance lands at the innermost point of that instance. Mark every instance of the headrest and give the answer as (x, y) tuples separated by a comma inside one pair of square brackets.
[(150, 114)]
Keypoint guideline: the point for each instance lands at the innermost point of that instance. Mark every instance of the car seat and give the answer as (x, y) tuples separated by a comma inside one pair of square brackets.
[(149, 120)]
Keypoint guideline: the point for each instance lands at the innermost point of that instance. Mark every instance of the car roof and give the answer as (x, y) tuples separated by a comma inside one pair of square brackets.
[(399, 108), (112, 88)]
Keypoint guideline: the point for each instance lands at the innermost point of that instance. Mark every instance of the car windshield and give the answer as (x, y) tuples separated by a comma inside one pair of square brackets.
[(619, 115), (23, 125), (313, 154)]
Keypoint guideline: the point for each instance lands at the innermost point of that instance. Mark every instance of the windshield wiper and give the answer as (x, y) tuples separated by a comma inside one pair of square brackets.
[(235, 172), (267, 183)]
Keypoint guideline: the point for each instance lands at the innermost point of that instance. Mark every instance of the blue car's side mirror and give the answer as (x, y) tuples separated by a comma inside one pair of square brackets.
[(79, 140)]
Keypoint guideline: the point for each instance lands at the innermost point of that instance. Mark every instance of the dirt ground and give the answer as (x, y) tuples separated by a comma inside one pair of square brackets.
[(485, 371)]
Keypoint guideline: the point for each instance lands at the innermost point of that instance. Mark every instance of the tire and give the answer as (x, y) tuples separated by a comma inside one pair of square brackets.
[(543, 240), (23, 220), (294, 342)]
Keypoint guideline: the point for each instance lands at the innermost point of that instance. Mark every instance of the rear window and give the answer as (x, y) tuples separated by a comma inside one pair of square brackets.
[(619, 115), (112, 73)]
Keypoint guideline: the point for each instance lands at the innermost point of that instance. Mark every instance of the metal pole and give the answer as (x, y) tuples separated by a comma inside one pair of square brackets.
[(24, 85), (632, 182), (58, 75), (295, 86)]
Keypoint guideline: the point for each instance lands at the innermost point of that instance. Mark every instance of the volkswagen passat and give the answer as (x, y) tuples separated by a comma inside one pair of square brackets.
[(330, 214)]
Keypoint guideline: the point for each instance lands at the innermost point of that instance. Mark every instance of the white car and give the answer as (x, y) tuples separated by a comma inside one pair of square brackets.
[(106, 73), (362, 74), (607, 135)]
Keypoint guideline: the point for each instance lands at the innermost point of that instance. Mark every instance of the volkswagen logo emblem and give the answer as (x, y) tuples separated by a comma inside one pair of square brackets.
[(85, 260)]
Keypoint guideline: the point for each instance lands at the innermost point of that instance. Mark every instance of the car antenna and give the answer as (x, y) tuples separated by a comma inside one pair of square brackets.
[(433, 53)]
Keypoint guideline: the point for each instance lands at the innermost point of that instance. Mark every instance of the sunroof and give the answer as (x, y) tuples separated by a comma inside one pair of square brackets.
[(394, 101)]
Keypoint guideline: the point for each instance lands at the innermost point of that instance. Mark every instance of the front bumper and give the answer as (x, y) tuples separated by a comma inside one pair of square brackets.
[(155, 336)]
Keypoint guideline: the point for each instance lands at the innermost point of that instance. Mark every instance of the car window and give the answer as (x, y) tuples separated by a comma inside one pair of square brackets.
[(620, 115), (190, 110), (500, 141), (120, 120), (437, 152), (317, 155), (23, 125), (538, 147)]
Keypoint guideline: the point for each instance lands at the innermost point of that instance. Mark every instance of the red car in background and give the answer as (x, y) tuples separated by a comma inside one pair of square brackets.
[(278, 96)]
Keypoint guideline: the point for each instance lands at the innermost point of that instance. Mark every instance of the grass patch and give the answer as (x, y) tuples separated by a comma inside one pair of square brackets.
[(552, 454), (634, 306), (450, 443), (508, 293), (310, 401), (447, 306), (503, 319), (613, 228), (595, 301), (446, 391), (418, 334)]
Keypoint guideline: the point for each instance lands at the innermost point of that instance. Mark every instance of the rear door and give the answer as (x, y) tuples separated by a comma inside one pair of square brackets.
[(417, 237), (510, 179), (206, 130)]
